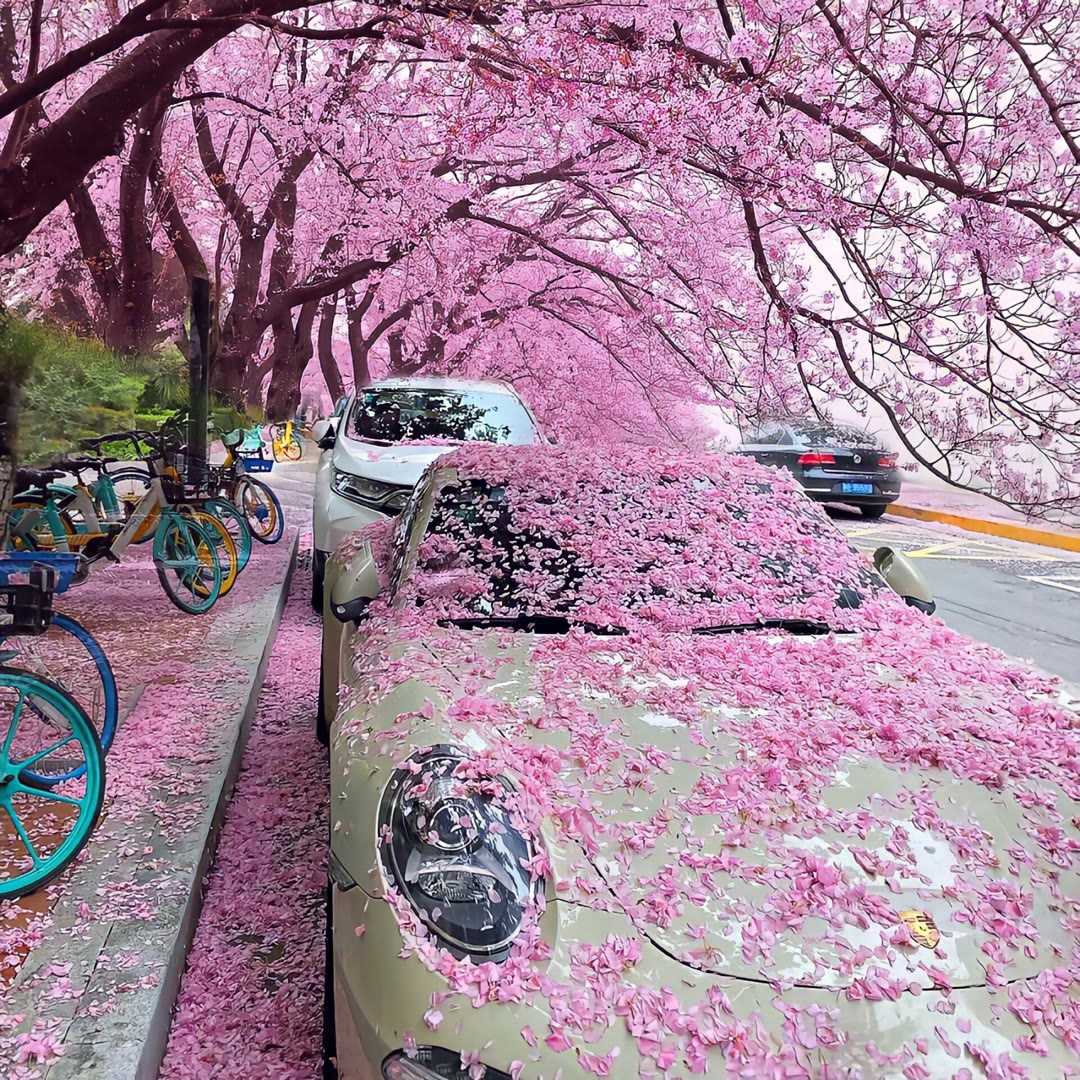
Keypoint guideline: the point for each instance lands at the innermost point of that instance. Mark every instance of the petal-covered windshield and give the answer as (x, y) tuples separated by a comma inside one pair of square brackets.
[(407, 414), (680, 541)]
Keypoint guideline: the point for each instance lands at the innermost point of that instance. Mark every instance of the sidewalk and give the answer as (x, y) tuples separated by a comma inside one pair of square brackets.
[(89, 966), (926, 500)]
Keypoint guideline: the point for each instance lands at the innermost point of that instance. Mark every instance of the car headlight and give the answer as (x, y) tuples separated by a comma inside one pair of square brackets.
[(432, 1063), (374, 493), (447, 844)]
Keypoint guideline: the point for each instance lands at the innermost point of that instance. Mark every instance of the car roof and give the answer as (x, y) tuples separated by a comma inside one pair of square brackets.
[(441, 382)]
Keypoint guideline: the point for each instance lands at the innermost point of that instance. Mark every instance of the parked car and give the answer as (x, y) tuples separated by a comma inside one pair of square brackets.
[(375, 449), (832, 462), (641, 770)]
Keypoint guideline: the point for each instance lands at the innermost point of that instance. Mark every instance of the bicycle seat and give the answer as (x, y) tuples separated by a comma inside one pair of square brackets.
[(35, 478)]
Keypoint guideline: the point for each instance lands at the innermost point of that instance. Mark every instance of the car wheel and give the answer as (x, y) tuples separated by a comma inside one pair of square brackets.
[(872, 512), (318, 573), (322, 726), (329, 1037)]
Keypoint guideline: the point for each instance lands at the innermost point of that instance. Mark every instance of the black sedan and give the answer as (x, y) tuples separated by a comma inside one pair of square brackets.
[(832, 462)]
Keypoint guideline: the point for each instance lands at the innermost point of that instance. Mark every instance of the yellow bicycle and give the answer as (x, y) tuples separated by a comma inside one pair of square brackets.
[(287, 446)]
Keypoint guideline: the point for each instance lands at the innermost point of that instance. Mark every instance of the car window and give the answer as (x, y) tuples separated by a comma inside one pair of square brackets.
[(391, 415), (836, 435), (642, 549)]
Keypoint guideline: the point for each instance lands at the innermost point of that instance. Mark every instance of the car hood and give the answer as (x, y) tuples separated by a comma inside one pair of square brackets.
[(398, 463), (662, 796)]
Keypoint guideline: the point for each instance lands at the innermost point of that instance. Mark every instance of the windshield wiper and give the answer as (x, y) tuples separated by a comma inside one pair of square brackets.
[(532, 624), (792, 626)]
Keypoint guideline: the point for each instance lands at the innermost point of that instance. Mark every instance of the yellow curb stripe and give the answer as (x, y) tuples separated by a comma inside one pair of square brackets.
[(1022, 533)]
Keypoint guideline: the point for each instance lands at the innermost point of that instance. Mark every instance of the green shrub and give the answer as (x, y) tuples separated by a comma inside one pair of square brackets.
[(75, 389)]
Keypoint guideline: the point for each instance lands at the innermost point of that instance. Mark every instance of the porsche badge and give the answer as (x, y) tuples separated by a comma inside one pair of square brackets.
[(922, 928)]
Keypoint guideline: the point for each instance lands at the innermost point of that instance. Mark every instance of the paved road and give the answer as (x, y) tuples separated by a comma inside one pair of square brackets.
[(1023, 599)]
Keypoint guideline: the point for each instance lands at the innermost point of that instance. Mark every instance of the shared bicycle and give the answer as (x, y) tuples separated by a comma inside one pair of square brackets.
[(285, 443), (202, 538), (52, 759)]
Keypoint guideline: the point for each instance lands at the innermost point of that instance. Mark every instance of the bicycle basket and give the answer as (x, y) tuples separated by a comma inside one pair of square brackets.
[(27, 609), (257, 463), (19, 564)]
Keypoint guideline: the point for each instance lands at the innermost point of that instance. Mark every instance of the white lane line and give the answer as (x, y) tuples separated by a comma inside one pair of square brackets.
[(1056, 583)]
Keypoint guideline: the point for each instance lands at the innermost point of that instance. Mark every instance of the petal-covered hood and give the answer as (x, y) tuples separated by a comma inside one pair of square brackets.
[(397, 463), (810, 811)]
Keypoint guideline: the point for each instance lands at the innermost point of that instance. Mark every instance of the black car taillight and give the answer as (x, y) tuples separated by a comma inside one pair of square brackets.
[(887, 461), (816, 459)]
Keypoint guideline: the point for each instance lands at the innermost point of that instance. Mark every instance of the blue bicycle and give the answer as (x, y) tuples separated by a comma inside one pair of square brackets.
[(66, 654)]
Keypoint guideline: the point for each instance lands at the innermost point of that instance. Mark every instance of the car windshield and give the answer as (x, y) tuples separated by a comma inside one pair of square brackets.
[(834, 435), (685, 542), (392, 415)]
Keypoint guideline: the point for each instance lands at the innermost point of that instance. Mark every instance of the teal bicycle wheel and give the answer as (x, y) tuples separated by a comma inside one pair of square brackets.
[(69, 655), (187, 563), (233, 520), (262, 509), (43, 827)]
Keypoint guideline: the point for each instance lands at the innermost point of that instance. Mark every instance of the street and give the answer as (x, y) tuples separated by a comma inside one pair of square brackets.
[(1023, 599)]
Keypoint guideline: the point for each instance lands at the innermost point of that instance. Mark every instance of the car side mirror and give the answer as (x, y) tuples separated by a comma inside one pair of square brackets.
[(356, 587), (324, 434), (904, 579)]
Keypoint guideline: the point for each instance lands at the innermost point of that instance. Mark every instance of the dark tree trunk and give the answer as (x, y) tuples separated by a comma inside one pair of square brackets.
[(292, 354), (358, 344), (257, 370), (54, 159), (15, 366), (11, 377), (133, 329), (227, 370), (327, 361)]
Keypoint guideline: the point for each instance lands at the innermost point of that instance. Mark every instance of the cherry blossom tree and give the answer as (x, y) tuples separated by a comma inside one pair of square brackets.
[(773, 206)]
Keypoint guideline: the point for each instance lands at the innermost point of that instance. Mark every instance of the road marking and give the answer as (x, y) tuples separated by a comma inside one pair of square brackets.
[(978, 551), (1056, 583)]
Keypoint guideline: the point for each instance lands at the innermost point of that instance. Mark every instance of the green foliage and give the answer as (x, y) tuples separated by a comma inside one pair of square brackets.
[(166, 390), (74, 389), (18, 347)]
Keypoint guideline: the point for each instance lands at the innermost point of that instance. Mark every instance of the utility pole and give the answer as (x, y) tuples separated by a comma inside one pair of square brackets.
[(200, 380)]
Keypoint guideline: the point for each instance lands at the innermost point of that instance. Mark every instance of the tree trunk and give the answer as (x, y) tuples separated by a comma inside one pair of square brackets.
[(358, 344), (327, 360), (133, 328), (10, 379), (257, 370), (227, 371), (292, 353)]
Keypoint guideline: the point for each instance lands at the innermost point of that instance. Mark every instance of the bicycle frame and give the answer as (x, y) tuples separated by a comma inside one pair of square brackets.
[(83, 502)]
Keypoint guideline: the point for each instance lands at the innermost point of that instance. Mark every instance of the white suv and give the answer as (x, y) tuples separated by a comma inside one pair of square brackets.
[(387, 434)]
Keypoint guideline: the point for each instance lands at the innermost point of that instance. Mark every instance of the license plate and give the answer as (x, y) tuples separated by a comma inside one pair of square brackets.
[(857, 489)]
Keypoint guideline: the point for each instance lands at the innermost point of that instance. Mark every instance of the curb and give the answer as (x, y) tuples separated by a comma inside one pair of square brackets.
[(157, 1036), (1023, 533)]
